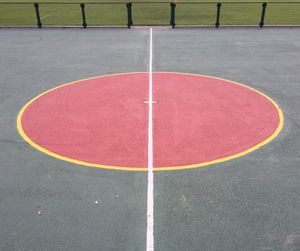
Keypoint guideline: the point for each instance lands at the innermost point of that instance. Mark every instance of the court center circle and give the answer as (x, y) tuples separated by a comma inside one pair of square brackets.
[(197, 121)]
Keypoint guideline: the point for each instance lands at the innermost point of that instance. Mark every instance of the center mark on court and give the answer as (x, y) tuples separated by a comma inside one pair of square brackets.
[(147, 102)]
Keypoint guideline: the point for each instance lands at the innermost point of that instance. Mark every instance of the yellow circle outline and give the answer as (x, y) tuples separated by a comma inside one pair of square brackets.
[(251, 149)]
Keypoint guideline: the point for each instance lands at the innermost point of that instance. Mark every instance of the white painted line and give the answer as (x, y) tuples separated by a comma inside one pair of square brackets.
[(45, 16), (150, 201), (147, 102)]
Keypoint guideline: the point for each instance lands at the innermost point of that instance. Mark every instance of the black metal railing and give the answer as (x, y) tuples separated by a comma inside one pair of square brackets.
[(129, 10)]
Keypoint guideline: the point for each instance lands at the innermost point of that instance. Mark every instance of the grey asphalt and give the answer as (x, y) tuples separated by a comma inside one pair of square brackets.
[(250, 203)]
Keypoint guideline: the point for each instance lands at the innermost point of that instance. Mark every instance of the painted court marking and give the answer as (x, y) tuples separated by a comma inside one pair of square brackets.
[(150, 202), (102, 122)]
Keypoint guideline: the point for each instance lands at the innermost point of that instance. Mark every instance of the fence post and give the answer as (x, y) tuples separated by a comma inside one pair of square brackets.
[(263, 13), (82, 6), (37, 12), (217, 24), (172, 22), (129, 14)]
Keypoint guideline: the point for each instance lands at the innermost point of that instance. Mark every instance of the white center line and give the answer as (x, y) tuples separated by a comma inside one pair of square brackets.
[(150, 201)]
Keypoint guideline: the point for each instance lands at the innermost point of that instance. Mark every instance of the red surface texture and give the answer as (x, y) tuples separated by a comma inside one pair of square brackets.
[(195, 119)]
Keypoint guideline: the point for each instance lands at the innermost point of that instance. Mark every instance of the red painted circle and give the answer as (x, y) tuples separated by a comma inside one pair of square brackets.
[(104, 120)]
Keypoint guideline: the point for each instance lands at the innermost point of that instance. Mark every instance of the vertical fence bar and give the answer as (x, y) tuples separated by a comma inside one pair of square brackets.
[(172, 21), (217, 24), (129, 14), (82, 6), (37, 12), (263, 13)]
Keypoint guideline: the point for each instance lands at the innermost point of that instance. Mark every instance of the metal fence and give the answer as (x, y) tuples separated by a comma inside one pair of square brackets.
[(138, 13)]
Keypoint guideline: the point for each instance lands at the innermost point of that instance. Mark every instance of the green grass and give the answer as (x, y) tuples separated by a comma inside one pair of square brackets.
[(143, 13)]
